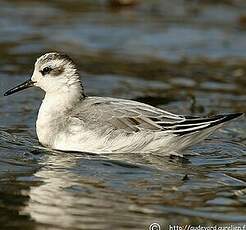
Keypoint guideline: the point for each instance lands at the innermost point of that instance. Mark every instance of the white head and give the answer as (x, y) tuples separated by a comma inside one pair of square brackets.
[(54, 73)]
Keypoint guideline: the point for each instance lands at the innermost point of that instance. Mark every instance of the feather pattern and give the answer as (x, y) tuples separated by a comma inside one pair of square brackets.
[(134, 116), (116, 125)]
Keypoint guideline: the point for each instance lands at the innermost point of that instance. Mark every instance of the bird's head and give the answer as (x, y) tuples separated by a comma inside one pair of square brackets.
[(54, 73)]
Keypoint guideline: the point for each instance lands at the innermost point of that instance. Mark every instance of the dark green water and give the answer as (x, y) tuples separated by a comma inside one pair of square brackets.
[(184, 56)]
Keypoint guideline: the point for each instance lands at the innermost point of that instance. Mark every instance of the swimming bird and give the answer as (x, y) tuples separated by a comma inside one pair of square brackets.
[(69, 120)]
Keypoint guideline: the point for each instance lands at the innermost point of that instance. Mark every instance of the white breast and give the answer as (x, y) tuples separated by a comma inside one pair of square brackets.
[(52, 114), (45, 126)]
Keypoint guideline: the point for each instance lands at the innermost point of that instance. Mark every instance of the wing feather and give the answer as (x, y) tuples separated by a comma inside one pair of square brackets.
[(132, 116), (194, 124)]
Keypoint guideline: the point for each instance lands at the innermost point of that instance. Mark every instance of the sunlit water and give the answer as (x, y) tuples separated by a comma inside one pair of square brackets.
[(151, 53)]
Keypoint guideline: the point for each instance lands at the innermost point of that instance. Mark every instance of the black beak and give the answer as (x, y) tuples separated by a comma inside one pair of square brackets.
[(24, 85)]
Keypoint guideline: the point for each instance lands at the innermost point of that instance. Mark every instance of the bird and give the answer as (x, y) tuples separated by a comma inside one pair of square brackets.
[(70, 120)]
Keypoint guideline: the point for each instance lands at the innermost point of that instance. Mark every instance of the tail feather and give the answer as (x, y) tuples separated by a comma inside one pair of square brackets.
[(194, 124), (194, 130)]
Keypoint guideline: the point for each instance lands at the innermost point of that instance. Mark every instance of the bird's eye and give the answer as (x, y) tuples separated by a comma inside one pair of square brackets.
[(46, 70)]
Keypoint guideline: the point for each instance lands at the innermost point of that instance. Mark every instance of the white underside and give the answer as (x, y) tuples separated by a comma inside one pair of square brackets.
[(141, 142)]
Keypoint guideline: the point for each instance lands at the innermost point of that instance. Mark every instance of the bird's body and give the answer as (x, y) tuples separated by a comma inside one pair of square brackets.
[(102, 125), (68, 120), (105, 125)]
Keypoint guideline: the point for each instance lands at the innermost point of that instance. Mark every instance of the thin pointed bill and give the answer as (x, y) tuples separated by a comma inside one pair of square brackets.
[(24, 85)]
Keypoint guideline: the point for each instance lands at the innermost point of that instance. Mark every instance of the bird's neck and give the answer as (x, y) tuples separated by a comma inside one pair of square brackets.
[(62, 100), (53, 110)]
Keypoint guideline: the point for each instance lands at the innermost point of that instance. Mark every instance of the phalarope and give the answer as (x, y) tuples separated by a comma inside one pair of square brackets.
[(69, 120)]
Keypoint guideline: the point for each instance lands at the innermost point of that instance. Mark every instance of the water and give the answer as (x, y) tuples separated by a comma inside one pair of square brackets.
[(185, 57)]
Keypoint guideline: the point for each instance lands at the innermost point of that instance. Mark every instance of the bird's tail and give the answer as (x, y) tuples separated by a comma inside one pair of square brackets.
[(195, 129)]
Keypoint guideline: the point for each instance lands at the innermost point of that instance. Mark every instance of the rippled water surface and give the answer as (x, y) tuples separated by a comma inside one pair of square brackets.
[(185, 56)]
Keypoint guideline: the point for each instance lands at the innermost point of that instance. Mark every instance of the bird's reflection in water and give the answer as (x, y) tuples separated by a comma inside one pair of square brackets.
[(84, 190)]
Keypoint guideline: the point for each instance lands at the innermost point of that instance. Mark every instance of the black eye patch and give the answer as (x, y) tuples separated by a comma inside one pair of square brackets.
[(45, 70)]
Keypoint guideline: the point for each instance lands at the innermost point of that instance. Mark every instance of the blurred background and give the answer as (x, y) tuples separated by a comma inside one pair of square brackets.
[(187, 56)]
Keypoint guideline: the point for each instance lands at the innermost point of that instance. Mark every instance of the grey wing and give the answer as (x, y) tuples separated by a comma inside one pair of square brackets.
[(132, 116), (136, 116)]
